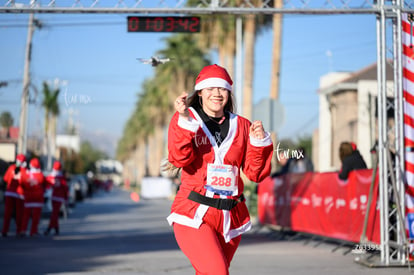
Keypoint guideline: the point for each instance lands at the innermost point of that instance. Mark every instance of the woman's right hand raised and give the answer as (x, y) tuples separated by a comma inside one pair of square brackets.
[(181, 106)]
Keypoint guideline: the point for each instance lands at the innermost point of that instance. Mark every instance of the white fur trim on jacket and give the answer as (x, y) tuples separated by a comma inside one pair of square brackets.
[(33, 204), (13, 194), (237, 231), (58, 199), (194, 222), (190, 125), (266, 141)]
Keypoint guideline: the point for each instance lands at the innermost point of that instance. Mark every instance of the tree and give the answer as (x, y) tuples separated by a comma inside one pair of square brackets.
[(84, 161), (275, 75), (89, 155), (277, 41), (6, 121), (218, 32), (252, 26), (306, 143), (144, 131), (51, 105)]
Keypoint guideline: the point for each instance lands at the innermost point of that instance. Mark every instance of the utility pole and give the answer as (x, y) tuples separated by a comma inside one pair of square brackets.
[(22, 141)]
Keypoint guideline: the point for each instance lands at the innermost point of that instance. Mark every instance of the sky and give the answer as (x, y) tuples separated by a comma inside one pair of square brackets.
[(93, 59)]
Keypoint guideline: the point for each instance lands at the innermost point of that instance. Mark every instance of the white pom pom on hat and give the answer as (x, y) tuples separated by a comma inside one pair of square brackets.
[(212, 76)]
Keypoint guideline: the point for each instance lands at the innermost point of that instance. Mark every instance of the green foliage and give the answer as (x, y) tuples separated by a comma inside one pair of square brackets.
[(286, 143), (84, 161), (306, 143), (6, 120), (89, 155), (154, 106), (50, 104), (251, 197), (50, 99)]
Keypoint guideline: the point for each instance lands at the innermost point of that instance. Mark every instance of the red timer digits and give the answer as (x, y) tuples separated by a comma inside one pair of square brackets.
[(163, 24)]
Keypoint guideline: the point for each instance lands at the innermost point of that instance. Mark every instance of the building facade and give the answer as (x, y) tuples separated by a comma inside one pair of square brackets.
[(347, 112)]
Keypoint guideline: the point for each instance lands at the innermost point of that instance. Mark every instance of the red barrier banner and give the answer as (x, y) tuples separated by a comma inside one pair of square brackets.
[(322, 204)]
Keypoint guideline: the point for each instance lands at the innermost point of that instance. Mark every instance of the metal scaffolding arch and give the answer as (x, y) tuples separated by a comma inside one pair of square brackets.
[(388, 14), (181, 6)]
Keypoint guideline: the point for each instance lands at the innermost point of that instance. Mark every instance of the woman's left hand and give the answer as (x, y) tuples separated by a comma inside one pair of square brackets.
[(257, 130)]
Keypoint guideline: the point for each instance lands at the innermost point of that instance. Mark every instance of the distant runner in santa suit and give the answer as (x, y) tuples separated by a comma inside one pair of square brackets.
[(14, 197), (211, 144), (34, 188), (58, 182)]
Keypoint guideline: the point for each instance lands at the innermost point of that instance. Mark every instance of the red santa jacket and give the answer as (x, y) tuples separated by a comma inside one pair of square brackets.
[(192, 147), (14, 181), (58, 182), (34, 187)]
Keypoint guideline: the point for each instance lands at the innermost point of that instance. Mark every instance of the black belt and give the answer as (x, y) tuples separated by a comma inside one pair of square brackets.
[(222, 204)]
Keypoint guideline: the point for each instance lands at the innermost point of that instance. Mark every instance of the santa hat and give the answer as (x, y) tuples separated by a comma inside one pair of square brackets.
[(213, 76), (354, 146), (34, 163), (21, 160), (57, 166)]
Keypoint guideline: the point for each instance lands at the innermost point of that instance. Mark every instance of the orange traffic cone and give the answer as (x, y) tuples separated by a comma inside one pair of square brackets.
[(134, 196)]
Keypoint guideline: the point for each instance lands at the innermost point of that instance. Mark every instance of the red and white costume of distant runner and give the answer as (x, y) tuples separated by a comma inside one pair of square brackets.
[(34, 187)]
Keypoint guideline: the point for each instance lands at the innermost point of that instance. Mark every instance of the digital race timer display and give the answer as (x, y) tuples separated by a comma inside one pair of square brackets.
[(163, 24)]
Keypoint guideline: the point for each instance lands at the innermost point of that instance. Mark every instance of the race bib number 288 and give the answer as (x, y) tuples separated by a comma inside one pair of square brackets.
[(222, 179)]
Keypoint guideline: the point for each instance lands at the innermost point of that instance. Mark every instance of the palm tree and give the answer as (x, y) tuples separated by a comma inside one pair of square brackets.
[(249, 47), (145, 130), (171, 80), (188, 60), (51, 105), (218, 32), (136, 131), (274, 82), (150, 117), (6, 121), (277, 41), (253, 25)]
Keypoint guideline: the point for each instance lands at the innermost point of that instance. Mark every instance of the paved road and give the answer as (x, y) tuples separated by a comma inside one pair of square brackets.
[(111, 234)]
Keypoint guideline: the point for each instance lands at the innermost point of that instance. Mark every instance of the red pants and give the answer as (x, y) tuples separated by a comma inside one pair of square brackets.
[(206, 249), (16, 205), (54, 217), (34, 213)]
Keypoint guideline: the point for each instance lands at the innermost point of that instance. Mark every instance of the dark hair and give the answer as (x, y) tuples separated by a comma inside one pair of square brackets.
[(194, 101), (345, 149)]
